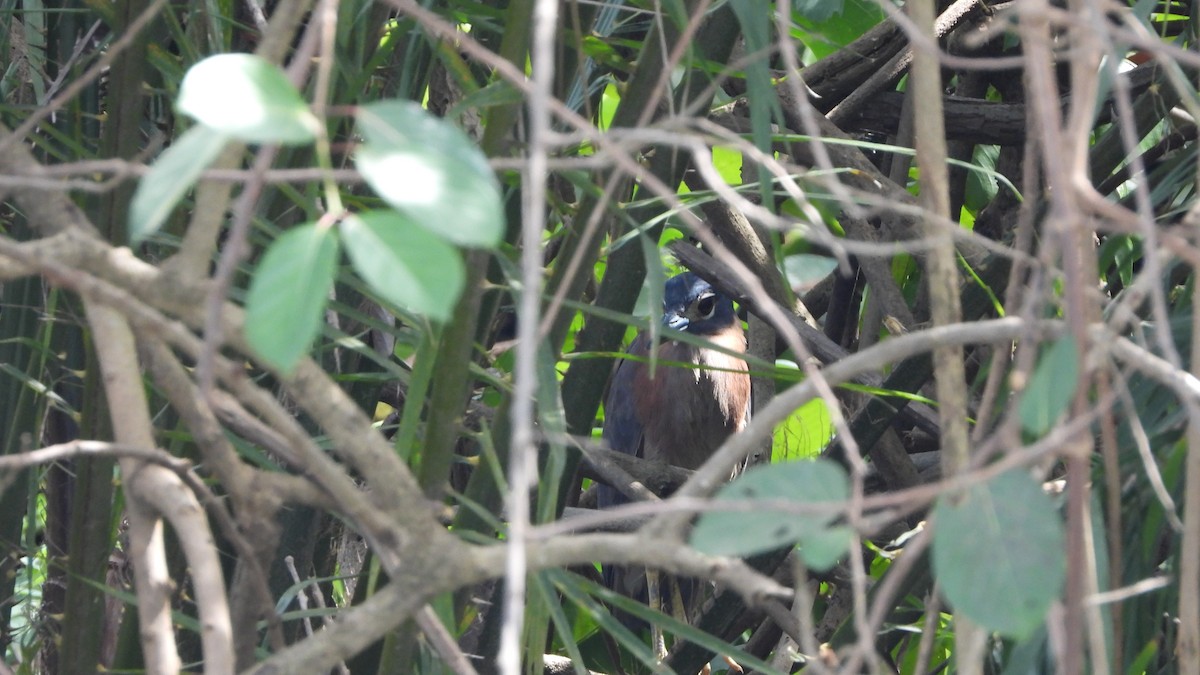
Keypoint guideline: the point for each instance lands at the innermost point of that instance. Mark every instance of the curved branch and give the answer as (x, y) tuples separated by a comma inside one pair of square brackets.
[(81, 448), (153, 492)]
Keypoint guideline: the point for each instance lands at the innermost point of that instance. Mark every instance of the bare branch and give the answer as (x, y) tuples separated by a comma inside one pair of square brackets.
[(153, 493)]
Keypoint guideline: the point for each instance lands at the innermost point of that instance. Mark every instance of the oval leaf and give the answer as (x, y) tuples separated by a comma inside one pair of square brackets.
[(754, 531), (172, 175), (288, 293), (823, 550), (403, 263), (248, 98), (1051, 387), (430, 170), (1007, 533)]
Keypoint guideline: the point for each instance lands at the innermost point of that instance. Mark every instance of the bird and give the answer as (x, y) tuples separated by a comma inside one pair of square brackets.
[(681, 415), (677, 414)]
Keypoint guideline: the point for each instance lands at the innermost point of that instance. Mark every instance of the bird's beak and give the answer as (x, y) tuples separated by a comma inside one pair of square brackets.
[(675, 321)]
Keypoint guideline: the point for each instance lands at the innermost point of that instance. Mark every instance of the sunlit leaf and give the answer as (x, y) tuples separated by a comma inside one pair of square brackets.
[(747, 532), (728, 163), (803, 434), (430, 170), (998, 553), (1051, 387), (248, 98), (172, 175), (403, 263), (288, 292)]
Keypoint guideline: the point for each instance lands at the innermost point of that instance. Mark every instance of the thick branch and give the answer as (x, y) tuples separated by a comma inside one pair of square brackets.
[(153, 490)]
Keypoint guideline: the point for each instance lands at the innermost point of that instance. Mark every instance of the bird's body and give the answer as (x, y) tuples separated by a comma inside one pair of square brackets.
[(696, 408), (681, 415), (679, 412)]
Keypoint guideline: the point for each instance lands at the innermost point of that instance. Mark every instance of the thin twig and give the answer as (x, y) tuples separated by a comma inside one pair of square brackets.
[(290, 563), (523, 452), (235, 251)]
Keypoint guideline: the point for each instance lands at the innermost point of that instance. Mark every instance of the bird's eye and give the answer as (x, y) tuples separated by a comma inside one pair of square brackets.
[(706, 305)]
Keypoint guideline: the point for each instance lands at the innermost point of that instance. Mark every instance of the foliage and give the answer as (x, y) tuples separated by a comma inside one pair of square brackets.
[(1016, 539), (744, 532), (290, 413)]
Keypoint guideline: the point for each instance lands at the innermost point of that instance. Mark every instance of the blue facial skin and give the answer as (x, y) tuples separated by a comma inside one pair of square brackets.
[(691, 304)]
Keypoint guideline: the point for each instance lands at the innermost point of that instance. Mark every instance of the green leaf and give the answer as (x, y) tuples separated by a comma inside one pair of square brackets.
[(823, 550), (824, 27), (172, 175), (747, 532), (998, 553), (288, 293), (248, 98), (728, 163), (497, 93), (804, 433), (430, 170), (581, 589), (1051, 387), (652, 291), (982, 186), (818, 10), (403, 263), (755, 19)]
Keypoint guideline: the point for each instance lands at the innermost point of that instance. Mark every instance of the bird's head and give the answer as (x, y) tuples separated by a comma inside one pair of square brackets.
[(691, 304)]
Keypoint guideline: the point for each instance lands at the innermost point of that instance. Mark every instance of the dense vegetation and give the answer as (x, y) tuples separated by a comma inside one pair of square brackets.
[(307, 310)]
